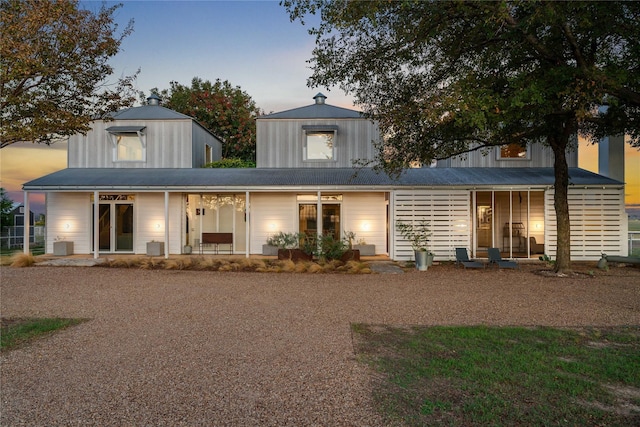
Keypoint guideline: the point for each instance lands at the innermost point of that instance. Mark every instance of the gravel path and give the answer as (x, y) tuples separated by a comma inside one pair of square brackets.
[(243, 349)]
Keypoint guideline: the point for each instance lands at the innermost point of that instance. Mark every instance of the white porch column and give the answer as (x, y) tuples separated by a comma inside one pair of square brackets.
[(96, 224), (166, 224), (319, 230), (247, 228), (27, 222)]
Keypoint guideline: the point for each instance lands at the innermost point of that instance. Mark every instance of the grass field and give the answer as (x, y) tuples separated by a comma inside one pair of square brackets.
[(504, 376)]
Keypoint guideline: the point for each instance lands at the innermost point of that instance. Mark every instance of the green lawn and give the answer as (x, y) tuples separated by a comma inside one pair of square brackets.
[(504, 376)]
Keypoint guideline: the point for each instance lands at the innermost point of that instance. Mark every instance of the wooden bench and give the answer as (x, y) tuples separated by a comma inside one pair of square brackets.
[(216, 239)]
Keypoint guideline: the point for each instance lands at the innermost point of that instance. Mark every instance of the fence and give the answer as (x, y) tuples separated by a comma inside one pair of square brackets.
[(13, 237)]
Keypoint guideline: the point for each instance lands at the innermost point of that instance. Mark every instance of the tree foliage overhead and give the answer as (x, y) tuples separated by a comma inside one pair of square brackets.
[(446, 77), (443, 77), (54, 69), (225, 110)]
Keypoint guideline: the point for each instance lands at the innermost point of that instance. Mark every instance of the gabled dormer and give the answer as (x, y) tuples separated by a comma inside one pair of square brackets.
[(149, 136), (315, 136)]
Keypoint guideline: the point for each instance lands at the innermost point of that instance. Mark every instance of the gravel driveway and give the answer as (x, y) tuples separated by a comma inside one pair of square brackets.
[(243, 349)]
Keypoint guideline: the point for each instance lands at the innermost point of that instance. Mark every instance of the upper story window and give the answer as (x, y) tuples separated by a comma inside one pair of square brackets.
[(208, 154), (129, 147), (513, 151), (129, 143), (319, 143)]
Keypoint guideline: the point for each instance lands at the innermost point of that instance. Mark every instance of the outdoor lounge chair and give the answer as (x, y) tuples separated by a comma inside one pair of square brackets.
[(462, 258), (496, 258)]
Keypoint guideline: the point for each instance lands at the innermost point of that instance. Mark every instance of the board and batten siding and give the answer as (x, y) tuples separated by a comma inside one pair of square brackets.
[(149, 213), (598, 223), (73, 209), (365, 214), (200, 139), (282, 141), (541, 156), (271, 213), (447, 213), (168, 145)]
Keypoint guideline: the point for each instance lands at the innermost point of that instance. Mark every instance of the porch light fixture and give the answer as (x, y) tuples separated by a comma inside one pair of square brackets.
[(365, 226)]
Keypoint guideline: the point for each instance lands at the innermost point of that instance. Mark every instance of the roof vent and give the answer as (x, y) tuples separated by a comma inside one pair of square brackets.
[(154, 100), (319, 98)]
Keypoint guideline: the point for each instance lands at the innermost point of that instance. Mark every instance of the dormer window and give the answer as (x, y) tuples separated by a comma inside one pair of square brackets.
[(513, 151), (129, 143), (319, 143)]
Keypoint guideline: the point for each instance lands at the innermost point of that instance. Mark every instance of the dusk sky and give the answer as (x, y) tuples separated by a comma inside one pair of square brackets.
[(252, 44)]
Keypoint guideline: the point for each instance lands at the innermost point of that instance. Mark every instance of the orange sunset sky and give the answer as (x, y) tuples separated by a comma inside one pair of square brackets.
[(23, 162)]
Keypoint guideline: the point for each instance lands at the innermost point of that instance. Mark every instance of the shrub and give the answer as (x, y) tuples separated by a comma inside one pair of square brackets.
[(20, 260), (285, 240)]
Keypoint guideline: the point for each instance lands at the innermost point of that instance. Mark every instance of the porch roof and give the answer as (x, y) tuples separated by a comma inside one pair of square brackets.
[(204, 179)]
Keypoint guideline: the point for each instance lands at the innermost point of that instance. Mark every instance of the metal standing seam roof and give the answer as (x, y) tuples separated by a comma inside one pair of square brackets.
[(131, 179), (316, 111), (149, 112)]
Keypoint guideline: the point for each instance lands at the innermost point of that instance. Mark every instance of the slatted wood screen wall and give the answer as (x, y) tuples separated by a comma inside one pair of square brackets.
[(448, 215), (598, 223)]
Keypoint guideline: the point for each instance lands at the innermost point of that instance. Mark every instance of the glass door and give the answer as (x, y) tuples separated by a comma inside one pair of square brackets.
[(104, 225), (115, 227), (331, 220), (308, 219), (124, 227)]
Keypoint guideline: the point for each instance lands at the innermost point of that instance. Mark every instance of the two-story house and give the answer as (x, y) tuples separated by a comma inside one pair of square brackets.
[(144, 167)]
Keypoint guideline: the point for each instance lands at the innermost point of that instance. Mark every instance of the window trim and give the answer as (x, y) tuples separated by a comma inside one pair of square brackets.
[(319, 129), (116, 131)]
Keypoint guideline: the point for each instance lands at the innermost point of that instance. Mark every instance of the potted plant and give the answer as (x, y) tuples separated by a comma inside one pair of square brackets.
[(288, 245), (418, 234)]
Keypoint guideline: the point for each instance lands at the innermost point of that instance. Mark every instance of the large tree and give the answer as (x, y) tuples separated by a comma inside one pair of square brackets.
[(225, 110), (54, 69), (447, 77)]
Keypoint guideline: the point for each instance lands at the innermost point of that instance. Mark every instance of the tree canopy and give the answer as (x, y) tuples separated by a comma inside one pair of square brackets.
[(225, 110), (54, 69), (443, 78)]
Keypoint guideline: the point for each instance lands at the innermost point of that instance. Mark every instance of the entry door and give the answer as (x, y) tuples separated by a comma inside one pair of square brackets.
[(115, 227), (331, 220)]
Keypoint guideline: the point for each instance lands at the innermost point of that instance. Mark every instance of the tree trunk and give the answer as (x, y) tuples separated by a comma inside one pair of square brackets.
[(561, 203)]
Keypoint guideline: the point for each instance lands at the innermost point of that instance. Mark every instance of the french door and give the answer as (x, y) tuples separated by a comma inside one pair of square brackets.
[(115, 227)]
